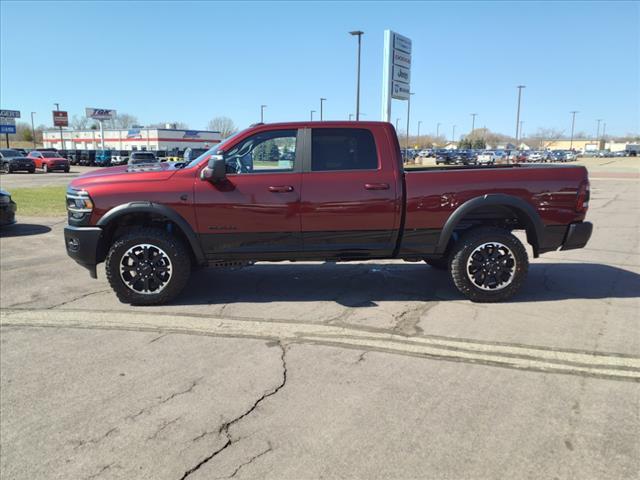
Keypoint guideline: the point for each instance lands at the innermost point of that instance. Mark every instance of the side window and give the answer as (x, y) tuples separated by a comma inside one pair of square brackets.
[(273, 151), (342, 149)]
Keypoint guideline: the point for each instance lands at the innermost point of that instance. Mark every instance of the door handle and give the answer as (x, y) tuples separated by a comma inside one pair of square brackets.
[(281, 189), (376, 186)]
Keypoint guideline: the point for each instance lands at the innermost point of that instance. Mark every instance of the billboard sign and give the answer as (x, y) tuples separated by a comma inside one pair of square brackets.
[(60, 118), (191, 134), (396, 74), (134, 133), (100, 113), (8, 125), (10, 114)]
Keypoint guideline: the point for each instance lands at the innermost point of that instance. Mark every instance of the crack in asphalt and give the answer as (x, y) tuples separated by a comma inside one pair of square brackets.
[(80, 443), (250, 461), (163, 427), (165, 400), (224, 428)]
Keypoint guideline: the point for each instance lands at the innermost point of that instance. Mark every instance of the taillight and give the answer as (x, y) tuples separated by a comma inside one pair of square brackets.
[(582, 199)]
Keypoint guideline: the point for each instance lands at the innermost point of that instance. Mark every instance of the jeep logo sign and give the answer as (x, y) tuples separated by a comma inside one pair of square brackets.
[(100, 113)]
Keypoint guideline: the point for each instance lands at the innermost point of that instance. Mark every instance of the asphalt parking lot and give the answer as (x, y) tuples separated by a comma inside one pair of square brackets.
[(309, 370)]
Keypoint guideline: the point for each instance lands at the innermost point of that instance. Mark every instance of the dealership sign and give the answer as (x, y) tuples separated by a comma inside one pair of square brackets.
[(8, 121), (60, 118), (100, 113), (191, 134), (396, 74)]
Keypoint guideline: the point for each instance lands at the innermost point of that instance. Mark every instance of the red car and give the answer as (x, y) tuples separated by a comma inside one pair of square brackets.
[(49, 161), (320, 191)]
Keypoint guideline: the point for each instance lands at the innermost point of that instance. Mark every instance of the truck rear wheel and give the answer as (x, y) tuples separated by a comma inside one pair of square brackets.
[(489, 264), (147, 266)]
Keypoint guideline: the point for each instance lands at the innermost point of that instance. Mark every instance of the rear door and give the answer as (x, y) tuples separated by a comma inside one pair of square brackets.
[(255, 213), (351, 201)]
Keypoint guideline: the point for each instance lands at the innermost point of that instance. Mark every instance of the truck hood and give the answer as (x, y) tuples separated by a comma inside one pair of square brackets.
[(154, 172)]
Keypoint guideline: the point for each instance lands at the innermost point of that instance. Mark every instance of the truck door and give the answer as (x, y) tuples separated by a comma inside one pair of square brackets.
[(255, 213), (350, 197)]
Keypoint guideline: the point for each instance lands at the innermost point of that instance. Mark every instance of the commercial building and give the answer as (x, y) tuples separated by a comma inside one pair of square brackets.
[(130, 139)]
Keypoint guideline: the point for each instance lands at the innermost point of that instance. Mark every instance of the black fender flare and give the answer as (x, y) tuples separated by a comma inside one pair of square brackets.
[(533, 222), (162, 210)]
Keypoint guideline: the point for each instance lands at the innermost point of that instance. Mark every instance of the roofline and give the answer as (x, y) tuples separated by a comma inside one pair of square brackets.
[(57, 130)]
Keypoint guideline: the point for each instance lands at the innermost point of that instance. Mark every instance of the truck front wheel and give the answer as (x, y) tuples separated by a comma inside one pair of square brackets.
[(489, 264), (147, 266)]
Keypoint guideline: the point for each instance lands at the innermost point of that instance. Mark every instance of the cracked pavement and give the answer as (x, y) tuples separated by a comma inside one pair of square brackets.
[(368, 370)]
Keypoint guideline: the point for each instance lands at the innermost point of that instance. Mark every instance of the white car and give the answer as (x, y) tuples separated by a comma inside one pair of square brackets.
[(486, 158), (536, 157)]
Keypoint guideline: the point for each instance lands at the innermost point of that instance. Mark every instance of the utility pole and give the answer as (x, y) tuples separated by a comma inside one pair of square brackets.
[(359, 34), (453, 134), (312, 112), (604, 128), (598, 129), (262, 107), (61, 139), (419, 122), (33, 131), (473, 122), (521, 134), (397, 120), (438, 130), (408, 113), (321, 115), (573, 124), (520, 87)]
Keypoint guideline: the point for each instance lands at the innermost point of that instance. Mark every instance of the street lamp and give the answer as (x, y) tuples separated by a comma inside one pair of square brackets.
[(438, 130), (321, 101), (408, 113), (419, 122), (520, 87), (598, 130), (573, 124), (33, 131), (262, 107), (312, 112), (473, 122), (358, 33), (521, 130)]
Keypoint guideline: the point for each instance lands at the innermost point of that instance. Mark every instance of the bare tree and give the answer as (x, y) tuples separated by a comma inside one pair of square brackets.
[(543, 137), (80, 122), (176, 125), (224, 125), (124, 120)]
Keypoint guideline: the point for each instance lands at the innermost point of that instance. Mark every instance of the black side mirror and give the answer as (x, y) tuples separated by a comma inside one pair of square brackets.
[(215, 171)]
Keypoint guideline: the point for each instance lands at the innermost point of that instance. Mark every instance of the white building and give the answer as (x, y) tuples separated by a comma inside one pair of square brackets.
[(130, 139)]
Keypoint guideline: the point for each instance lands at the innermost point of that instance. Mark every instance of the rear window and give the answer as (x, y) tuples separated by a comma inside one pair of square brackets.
[(144, 156), (343, 149)]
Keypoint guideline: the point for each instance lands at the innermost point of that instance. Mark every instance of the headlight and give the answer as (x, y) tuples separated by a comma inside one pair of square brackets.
[(79, 202), (5, 199)]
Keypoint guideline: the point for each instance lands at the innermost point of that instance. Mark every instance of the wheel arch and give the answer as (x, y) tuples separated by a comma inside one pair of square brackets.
[(147, 212), (522, 210)]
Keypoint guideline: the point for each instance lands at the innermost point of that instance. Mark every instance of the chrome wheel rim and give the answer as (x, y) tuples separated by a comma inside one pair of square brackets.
[(491, 266), (146, 269)]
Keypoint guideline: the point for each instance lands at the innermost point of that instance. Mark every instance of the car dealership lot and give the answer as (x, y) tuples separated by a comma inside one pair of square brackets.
[(302, 370)]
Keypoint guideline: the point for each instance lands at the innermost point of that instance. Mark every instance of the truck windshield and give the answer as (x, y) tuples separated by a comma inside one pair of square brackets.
[(212, 151)]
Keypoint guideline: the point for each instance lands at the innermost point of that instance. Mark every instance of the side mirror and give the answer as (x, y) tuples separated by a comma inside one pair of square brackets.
[(215, 171)]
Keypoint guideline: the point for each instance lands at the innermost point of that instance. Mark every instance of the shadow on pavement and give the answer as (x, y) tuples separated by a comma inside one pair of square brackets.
[(363, 285), (23, 230)]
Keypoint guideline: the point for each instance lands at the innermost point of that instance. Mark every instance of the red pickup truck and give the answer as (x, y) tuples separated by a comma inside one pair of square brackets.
[(320, 191)]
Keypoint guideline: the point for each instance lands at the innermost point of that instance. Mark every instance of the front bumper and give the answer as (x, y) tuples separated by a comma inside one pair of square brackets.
[(8, 213), (82, 245), (565, 237)]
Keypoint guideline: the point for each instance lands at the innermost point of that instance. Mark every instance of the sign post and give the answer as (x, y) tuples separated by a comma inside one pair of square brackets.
[(396, 71), (100, 114), (60, 119), (8, 123)]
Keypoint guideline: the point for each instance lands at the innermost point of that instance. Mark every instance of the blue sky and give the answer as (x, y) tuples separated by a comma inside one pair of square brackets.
[(192, 61)]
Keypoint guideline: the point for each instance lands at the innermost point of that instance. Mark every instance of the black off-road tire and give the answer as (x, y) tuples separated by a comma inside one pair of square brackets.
[(6, 168), (465, 246), (438, 263), (174, 248)]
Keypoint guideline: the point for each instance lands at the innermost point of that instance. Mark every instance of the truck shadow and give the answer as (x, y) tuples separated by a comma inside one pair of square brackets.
[(23, 229), (366, 284)]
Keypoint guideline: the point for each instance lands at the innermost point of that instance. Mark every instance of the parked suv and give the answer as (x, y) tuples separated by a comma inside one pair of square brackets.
[(140, 157), (14, 161), (49, 161)]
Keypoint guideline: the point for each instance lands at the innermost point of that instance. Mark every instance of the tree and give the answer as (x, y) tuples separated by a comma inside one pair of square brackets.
[(224, 125), (80, 122), (176, 125), (544, 137), (124, 120)]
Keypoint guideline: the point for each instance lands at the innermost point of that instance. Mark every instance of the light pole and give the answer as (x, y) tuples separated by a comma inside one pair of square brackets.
[(419, 122), (321, 101), (521, 134), (408, 113), (573, 124), (33, 131), (61, 140), (312, 112), (598, 130), (520, 87), (473, 122), (604, 128), (453, 134), (438, 130), (359, 34), (262, 107), (397, 120)]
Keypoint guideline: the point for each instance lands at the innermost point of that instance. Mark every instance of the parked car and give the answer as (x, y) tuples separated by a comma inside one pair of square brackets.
[(486, 158), (464, 157), (570, 156), (119, 157), (241, 203), (445, 157), (103, 158), (192, 153), (49, 161), (7, 209), (141, 156), (13, 161), (621, 153)]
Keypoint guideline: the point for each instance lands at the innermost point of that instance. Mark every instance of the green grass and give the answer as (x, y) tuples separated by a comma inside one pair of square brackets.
[(40, 201)]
